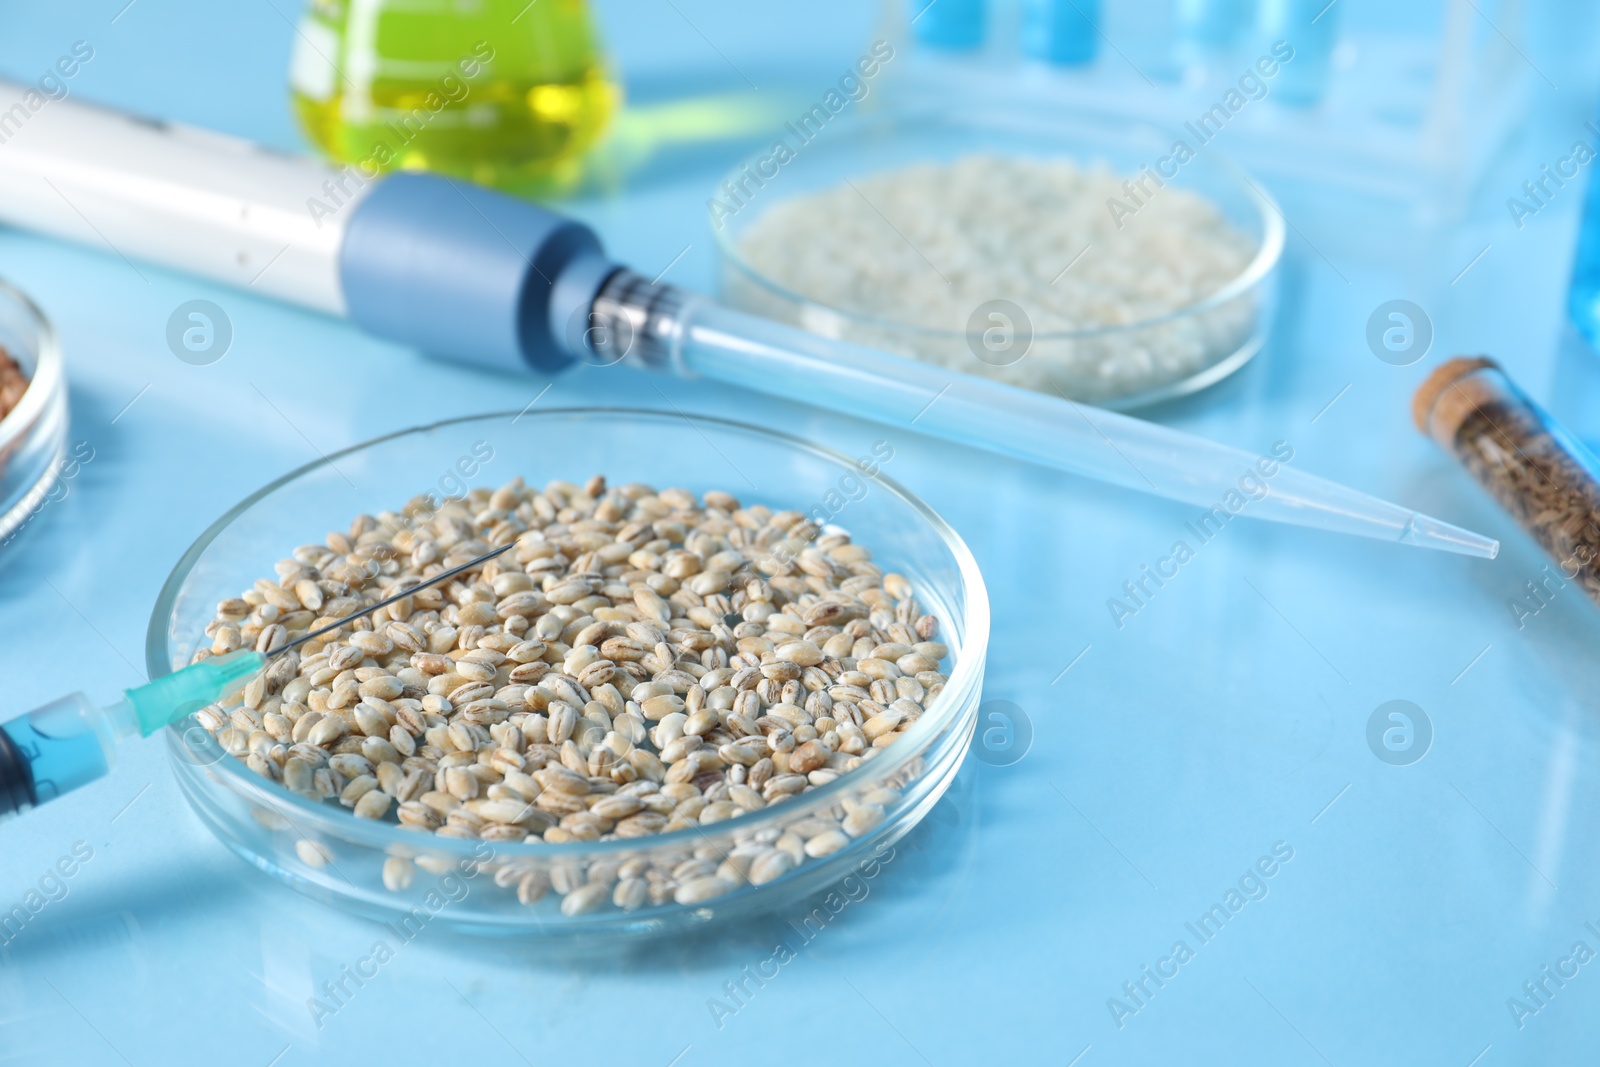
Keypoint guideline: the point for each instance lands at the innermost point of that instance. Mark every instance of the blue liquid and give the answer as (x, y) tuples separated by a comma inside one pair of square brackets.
[(63, 749), (1583, 298), (1214, 23), (1311, 27), (1061, 32), (953, 24)]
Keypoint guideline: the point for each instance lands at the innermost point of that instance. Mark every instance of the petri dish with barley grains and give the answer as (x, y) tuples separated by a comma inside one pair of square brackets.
[(1086, 258), (475, 757)]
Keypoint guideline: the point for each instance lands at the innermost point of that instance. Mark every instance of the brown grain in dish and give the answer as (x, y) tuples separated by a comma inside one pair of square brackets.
[(13, 383)]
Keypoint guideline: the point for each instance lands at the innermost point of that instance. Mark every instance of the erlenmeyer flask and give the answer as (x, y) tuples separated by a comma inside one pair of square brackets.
[(505, 92)]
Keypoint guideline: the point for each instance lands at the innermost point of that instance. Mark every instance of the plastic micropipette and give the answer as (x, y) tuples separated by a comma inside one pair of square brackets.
[(68, 743), (468, 274)]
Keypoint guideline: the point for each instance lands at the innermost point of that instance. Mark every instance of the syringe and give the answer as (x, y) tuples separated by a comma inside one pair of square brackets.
[(53, 750), (472, 275)]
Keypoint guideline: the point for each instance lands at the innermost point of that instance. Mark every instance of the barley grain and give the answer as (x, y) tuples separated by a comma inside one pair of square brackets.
[(313, 853), (398, 873)]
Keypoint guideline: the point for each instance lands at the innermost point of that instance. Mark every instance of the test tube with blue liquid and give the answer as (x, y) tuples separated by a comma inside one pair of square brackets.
[(954, 25), (1208, 29), (1310, 27), (1583, 294), (1062, 33)]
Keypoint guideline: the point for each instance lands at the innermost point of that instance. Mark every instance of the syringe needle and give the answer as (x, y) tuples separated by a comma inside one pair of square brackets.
[(434, 579)]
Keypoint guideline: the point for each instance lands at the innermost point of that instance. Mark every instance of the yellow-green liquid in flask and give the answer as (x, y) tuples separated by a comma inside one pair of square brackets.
[(505, 92)]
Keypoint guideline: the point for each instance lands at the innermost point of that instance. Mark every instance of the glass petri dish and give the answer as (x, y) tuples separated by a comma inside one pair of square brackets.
[(1123, 366), (33, 435), (471, 886)]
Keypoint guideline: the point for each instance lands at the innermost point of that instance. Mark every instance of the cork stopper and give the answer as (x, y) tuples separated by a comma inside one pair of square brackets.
[(1437, 408)]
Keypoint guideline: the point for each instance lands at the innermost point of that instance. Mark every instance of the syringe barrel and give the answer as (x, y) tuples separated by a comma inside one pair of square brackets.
[(16, 782), (51, 751)]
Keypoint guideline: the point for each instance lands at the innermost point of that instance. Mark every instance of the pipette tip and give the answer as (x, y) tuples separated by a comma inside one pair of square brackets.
[(1424, 531)]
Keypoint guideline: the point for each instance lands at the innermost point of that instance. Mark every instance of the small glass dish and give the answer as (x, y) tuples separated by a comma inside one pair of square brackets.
[(33, 435), (1123, 366), (473, 885)]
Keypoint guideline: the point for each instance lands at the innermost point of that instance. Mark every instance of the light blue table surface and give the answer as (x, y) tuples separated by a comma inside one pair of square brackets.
[(1227, 717)]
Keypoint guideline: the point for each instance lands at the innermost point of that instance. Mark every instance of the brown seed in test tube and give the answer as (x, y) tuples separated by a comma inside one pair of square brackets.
[(1538, 472)]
